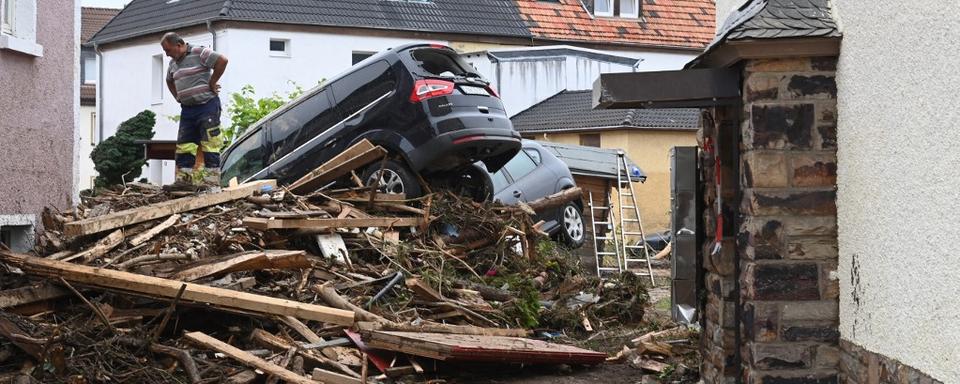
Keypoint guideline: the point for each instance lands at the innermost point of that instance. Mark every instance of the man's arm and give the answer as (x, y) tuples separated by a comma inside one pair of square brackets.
[(218, 68), (173, 89)]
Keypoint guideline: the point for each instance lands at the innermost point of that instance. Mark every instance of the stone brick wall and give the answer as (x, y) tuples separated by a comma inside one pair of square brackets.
[(860, 366), (787, 240)]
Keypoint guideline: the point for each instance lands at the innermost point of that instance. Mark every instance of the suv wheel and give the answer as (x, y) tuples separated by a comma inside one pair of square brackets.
[(394, 178), (571, 225)]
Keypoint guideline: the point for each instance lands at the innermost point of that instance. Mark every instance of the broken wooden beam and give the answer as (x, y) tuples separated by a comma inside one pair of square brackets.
[(143, 237), (556, 199), (450, 347), (328, 377), (245, 261), (100, 248), (264, 224), (31, 294), (165, 288), (155, 211), (358, 155), (246, 358)]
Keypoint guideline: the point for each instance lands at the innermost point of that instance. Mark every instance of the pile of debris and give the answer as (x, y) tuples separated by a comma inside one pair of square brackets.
[(258, 282)]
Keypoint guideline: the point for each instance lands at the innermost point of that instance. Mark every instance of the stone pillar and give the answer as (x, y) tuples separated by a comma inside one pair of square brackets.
[(787, 241), (719, 339)]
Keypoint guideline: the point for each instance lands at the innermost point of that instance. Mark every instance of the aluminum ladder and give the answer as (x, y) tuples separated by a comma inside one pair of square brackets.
[(598, 252), (630, 215)]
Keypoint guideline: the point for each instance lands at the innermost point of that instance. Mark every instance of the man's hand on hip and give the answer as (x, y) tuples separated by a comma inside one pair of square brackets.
[(215, 88)]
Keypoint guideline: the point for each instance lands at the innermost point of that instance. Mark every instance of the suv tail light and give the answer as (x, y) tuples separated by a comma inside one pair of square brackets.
[(493, 92), (425, 89)]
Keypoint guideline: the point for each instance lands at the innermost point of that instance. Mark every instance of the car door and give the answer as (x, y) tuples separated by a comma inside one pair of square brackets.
[(529, 180)]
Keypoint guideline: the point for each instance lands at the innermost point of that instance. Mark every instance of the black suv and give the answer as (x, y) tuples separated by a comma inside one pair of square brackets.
[(422, 102)]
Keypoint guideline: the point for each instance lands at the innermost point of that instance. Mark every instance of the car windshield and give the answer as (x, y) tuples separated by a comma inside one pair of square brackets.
[(441, 63)]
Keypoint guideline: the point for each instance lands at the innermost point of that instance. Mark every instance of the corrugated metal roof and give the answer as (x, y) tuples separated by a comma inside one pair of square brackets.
[(571, 110), (592, 161)]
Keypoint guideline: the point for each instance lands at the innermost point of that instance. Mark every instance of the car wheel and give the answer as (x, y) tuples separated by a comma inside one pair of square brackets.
[(394, 178), (571, 225)]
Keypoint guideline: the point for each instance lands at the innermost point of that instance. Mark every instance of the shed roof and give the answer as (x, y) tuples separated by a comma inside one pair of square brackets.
[(592, 161), (770, 19), (572, 111)]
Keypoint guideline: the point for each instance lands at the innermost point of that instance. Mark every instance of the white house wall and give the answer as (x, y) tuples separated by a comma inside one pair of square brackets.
[(898, 182), (87, 133)]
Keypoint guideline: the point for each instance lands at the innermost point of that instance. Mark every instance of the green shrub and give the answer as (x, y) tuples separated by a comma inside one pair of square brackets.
[(245, 109), (118, 159)]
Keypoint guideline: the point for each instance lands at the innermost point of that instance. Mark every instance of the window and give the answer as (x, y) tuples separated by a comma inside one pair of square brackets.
[(159, 80), (299, 124), (360, 56), (499, 181), (534, 154), (90, 70), (520, 165), (440, 62), (590, 140), (6, 24), (362, 87), (603, 7), (280, 47), (629, 8), (245, 159), (620, 8), (18, 27)]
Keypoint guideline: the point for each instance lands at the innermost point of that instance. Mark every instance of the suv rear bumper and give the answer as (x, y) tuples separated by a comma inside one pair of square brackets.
[(493, 146)]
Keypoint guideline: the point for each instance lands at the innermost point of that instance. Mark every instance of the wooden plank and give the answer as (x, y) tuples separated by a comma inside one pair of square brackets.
[(450, 347), (264, 224), (443, 328), (358, 155), (27, 295), (246, 358), (325, 376), (155, 211), (556, 199), (166, 288), (423, 291), (144, 237), (100, 248), (245, 261)]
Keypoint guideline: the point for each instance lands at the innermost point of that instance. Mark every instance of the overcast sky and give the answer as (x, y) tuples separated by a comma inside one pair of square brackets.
[(104, 3)]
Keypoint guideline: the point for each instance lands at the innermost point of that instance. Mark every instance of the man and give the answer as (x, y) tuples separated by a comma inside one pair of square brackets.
[(192, 79)]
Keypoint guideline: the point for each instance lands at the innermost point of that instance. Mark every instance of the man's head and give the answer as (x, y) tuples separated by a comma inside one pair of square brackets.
[(173, 45)]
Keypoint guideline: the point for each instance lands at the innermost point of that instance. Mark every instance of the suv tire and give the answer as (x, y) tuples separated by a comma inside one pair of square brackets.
[(571, 225), (395, 178)]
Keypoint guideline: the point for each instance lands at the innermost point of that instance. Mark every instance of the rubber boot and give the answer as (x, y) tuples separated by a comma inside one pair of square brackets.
[(211, 179), (183, 181)]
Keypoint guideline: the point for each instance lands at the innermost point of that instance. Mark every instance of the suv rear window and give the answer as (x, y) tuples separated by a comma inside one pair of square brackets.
[(440, 62)]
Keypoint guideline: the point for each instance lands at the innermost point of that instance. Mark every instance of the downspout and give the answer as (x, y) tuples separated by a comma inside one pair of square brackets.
[(96, 49), (213, 35)]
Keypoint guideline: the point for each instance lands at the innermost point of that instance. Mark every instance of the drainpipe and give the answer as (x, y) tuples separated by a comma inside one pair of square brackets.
[(213, 35), (96, 49)]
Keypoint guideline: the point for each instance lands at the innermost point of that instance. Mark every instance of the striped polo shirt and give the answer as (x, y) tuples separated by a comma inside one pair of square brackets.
[(191, 75)]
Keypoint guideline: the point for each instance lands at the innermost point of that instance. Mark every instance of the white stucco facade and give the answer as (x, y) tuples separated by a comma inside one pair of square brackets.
[(898, 181)]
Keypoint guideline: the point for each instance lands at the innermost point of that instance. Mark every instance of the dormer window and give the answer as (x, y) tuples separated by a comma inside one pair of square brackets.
[(617, 8)]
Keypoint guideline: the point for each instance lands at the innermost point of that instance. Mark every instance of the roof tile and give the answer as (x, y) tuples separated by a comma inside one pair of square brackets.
[(572, 110)]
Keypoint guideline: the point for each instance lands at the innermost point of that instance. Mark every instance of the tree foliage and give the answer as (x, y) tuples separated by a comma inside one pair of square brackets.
[(246, 109), (118, 159)]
